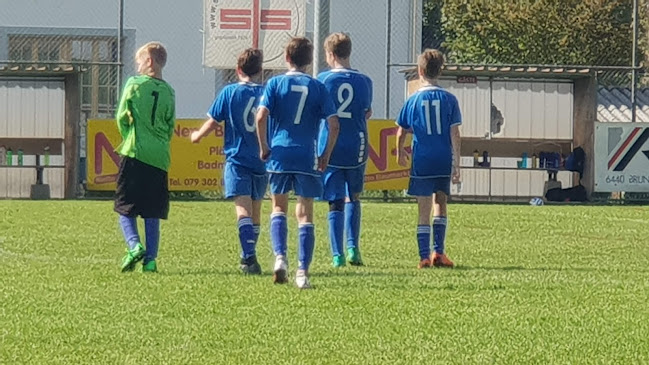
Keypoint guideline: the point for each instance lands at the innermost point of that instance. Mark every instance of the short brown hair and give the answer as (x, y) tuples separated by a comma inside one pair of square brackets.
[(299, 51), (250, 61), (430, 63), (156, 51), (340, 44)]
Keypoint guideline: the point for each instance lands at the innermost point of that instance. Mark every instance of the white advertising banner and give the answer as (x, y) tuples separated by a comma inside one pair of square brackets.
[(622, 157), (234, 25)]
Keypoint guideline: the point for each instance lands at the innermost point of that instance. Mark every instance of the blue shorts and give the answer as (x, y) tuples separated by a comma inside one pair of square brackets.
[(242, 181), (306, 186), (429, 186), (341, 183)]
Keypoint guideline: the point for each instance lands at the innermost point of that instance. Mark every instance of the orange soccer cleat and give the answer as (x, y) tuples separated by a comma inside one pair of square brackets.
[(424, 264), (440, 260)]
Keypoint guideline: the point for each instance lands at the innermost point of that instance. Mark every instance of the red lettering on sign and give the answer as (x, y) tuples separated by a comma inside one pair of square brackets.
[(276, 19), (256, 19), (103, 144), (236, 19), (380, 160)]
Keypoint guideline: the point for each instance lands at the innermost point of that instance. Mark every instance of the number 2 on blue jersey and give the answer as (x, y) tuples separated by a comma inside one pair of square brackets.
[(304, 91), (344, 102), (438, 123)]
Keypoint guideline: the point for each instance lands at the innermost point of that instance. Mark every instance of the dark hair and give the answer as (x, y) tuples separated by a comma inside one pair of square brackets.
[(299, 51), (430, 62), (250, 61)]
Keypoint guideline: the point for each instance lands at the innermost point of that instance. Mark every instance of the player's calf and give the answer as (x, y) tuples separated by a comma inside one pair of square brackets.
[(336, 231)]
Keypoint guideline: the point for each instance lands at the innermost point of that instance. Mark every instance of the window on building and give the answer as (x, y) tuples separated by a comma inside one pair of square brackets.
[(98, 82)]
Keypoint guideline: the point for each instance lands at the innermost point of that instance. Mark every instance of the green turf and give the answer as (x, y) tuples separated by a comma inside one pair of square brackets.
[(534, 285)]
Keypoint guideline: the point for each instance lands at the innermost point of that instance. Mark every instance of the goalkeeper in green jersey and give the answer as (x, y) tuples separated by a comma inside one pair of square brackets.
[(145, 118)]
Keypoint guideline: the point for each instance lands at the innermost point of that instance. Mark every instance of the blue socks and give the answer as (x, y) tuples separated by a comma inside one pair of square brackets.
[(256, 229), (336, 231), (439, 233), (129, 229), (247, 237), (278, 233), (353, 223), (306, 245), (152, 232), (423, 241)]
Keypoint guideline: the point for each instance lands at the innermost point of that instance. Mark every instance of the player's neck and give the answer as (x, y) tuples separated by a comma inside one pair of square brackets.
[(427, 82), (153, 73), (248, 79), (293, 68), (342, 64)]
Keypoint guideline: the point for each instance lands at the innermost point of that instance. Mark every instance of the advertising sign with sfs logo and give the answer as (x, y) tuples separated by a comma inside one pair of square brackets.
[(622, 157), (234, 25)]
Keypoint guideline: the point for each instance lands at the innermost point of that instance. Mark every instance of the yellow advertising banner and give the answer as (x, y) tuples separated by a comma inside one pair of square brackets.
[(382, 171), (193, 166), (200, 166)]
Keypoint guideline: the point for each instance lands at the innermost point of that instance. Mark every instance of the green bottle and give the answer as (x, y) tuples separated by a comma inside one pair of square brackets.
[(20, 157), (10, 157)]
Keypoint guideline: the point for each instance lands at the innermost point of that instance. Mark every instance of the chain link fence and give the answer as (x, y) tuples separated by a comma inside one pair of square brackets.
[(387, 37)]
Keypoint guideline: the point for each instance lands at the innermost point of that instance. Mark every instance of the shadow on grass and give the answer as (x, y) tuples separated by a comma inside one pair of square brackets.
[(541, 269)]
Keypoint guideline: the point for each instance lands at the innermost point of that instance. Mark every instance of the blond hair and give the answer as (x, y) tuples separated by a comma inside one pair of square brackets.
[(340, 44), (156, 51), (430, 63)]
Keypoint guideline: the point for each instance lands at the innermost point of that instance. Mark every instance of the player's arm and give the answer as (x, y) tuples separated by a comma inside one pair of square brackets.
[(329, 113), (171, 117), (402, 154), (124, 116), (333, 125), (206, 128), (218, 111), (403, 121), (456, 141), (370, 89), (261, 121)]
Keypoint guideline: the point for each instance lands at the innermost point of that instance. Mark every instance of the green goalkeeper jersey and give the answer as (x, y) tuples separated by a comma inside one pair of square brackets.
[(146, 118)]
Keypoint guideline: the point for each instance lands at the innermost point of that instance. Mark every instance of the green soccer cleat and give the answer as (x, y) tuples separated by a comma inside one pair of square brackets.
[(150, 267), (132, 258), (354, 256), (338, 261)]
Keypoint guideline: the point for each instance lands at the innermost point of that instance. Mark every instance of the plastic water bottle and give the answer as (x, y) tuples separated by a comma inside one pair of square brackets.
[(524, 160), (20, 157), (47, 156), (10, 157), (3, 156)]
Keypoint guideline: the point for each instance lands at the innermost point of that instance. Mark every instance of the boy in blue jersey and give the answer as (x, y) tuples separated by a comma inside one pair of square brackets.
[(244, 173), (288, 123), (432, 115), (351, 92)]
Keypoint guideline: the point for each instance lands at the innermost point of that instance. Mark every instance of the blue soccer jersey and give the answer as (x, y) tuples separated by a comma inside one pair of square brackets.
[(430, 113), (351, 92), (296, 103), (236, 105)]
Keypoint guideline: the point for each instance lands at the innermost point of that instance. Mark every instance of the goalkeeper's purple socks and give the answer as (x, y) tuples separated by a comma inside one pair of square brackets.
[(129, 229)]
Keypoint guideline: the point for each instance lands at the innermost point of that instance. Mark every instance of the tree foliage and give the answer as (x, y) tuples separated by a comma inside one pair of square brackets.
[(568, 32)]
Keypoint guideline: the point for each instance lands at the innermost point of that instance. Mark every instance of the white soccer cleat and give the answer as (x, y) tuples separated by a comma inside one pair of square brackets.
[(302, 280), (281, 270)]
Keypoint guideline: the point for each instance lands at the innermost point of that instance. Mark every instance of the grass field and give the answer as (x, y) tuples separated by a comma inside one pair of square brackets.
[(534, 285)]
